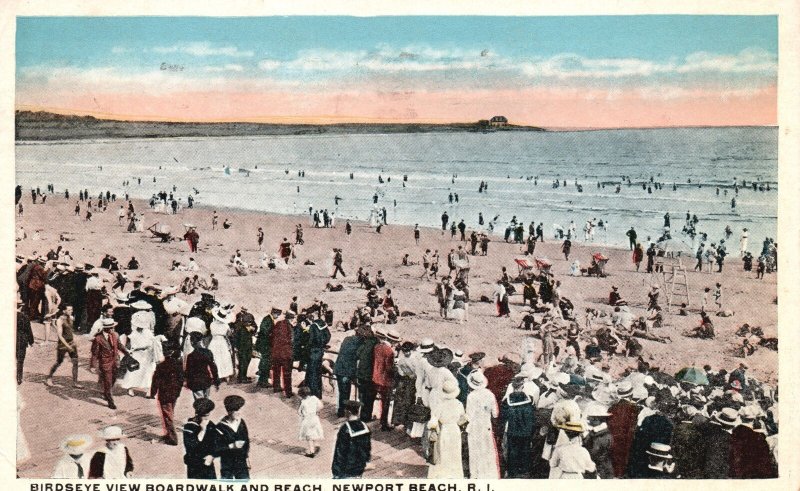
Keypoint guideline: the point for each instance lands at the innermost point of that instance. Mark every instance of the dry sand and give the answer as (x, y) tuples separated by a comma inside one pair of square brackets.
[(276, 452), (752, 300)]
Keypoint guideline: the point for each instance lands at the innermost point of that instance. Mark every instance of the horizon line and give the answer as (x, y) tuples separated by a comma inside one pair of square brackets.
[(326, 120)]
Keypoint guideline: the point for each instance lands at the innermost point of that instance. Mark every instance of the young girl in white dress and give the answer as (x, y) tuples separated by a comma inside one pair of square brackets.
[(310, 425)]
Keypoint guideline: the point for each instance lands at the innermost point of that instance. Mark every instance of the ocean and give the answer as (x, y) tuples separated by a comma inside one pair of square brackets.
[(519, 169)]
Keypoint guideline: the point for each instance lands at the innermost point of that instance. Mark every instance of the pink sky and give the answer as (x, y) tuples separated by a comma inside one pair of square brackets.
[(565, 108)]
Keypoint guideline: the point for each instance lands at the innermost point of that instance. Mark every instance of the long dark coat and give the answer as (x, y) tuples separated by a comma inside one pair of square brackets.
[(621, 425), (688, 448), (655, 428), (716, 458), (750, 457)]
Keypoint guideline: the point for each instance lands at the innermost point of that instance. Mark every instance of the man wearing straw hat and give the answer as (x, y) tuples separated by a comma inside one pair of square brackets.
[(282, 340), (661, 465), (74, 464), (750, 456), (717, 442), (106, 348), (474, 364), (112, 461)]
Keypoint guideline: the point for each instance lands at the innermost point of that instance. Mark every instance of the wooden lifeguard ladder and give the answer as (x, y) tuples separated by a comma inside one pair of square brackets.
[(673, 281)]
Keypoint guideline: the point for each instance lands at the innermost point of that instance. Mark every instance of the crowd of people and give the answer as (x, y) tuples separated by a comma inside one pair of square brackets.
[(552, 409)]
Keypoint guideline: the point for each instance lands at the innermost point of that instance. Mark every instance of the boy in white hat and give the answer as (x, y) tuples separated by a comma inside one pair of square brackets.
[(74, 464)]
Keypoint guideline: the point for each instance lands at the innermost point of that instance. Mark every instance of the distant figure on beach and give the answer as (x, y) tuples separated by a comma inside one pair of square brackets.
[(445, 219), (260, 238), (214, 220)]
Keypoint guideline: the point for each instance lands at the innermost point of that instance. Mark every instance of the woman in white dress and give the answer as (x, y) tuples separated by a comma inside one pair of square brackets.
[(219, 345), (445, 420), (192, 324), (419, 364), (457, 304), (143, 315), (146, 349), (310, 424), (481, 408)]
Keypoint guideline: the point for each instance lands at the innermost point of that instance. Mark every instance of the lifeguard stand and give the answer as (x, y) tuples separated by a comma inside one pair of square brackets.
[(670, 274)]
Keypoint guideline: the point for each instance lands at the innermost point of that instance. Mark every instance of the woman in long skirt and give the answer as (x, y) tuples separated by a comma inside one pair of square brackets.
[(219, 345), (446, 417), (481, 408), (146, 349), (501, 300)]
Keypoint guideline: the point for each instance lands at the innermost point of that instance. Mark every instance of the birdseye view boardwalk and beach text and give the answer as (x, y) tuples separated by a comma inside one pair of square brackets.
[(407, 247)]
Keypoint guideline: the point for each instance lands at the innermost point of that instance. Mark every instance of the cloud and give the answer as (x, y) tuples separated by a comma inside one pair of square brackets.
[(231, 67), (204, 49)]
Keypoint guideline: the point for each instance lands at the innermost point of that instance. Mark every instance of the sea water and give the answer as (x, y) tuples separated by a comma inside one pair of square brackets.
[(519, 168)]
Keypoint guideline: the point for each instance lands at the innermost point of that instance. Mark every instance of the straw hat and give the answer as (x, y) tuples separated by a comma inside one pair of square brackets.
[(477, 380), (575, 426), (530, 371), (750, 412), (112, 433), (660, 450), (426, 346), (450, 389), (141, 305), (76, 444), (624, 389), (727, 417), (108, 323), (392, 336)]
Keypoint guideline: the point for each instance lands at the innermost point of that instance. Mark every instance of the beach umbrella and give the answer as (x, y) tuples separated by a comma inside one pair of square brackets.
[(692, 375), (675, 246)]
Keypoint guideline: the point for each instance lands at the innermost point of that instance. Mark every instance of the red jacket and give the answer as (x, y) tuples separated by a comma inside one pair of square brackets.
[(37, 277), (498, 378), (105, 354), (282, 335), (621, 425), (383, 365)]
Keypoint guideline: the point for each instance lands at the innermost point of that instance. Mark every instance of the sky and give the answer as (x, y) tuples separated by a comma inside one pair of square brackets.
[(557, 72)]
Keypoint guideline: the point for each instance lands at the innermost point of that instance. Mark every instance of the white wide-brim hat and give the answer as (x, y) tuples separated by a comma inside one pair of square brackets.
[(76, 444)]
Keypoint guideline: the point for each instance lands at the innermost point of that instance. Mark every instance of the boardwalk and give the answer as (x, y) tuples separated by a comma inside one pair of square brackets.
[(51, 413)]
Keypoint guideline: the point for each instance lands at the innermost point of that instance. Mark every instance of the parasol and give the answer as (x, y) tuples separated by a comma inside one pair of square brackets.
[(692, 375)]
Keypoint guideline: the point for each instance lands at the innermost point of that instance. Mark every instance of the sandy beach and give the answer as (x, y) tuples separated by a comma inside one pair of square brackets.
[(752, 300)]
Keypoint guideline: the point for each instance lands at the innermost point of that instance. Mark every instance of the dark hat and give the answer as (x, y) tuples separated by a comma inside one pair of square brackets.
[(476, 357), (352, 407), (195, 337), (233, 403), (203, 407), (206, 296), (289, 314), (276, 312), (440, 357), (407, 346)]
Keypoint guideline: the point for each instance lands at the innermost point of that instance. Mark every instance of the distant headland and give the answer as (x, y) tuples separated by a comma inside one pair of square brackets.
[(40, 125)]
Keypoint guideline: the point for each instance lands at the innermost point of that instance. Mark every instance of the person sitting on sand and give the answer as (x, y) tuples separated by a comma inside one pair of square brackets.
[(226, 224), (705, 330)]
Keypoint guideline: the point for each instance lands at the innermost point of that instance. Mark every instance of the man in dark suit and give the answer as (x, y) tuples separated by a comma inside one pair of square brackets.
[(24, 337), (201, 371), (345, 369), (264, 347), (318, 339), (105, 358), (167, 385)]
